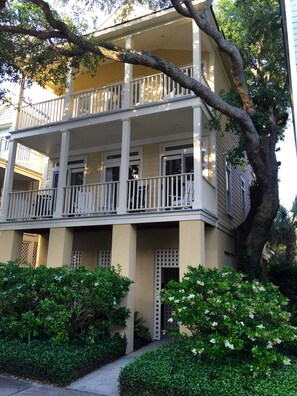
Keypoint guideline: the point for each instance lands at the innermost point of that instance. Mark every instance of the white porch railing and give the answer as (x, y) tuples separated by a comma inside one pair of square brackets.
[(162, 192), (25, 205), (96, 101), (157, 87), (41, 113), (154, 88), (91, 199), (25, 157)]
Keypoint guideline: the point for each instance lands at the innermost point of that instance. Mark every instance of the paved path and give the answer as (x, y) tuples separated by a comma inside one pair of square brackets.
[(102, 382)]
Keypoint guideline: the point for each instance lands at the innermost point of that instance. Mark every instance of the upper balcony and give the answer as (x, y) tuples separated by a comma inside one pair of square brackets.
[(109, 98), (26, 158)]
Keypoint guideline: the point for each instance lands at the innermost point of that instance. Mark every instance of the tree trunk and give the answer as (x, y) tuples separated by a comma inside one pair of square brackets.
[(251, 235)]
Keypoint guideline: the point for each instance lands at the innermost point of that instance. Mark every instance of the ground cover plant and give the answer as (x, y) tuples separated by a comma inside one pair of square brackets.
[(59, 321), (173, 370), (238, 332)]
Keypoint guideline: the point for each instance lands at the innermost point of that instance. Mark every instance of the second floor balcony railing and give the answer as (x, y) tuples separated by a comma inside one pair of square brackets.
[(25, 157), (150, 194), (149, 89)]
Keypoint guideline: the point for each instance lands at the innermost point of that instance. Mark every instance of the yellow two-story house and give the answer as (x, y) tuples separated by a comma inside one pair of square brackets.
[(137, 176)]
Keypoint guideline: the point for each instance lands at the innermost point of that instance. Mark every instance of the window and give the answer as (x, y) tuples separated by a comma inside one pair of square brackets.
[(75, 173), (228, 188), (243, 197)]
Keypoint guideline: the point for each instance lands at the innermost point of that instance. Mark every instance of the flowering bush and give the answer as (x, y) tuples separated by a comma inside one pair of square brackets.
[(60, 304), (228, 315)]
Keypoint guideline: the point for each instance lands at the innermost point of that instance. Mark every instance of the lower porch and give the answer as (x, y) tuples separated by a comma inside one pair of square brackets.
[(150, 255)]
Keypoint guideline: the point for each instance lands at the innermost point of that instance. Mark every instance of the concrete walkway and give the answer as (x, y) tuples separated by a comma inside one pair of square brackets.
[(102, 382)]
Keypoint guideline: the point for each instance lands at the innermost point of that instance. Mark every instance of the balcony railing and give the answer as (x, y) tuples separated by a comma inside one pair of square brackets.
[(91, 199), (150, 89), (25, 157), (34, 204), (144, 195)]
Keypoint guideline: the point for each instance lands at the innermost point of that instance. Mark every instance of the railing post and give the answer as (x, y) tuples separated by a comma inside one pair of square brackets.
[(127, 78), (65, 142), (125, 153), (8, 179)]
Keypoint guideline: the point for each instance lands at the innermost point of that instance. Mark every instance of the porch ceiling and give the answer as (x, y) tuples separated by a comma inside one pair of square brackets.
[(158, 126)]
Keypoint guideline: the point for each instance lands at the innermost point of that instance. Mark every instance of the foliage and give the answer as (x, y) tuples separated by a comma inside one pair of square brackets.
[(57, 364), (284, 275), (173, 371), (60, 304), (283, 233), (141, 332), (229, 316)]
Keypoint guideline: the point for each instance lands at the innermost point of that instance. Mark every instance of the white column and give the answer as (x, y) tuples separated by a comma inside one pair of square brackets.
[(67, 100), (127, 77), (197, 154), (8, 179), (196, 51), (65, 141), (15, 123), (124, 169)]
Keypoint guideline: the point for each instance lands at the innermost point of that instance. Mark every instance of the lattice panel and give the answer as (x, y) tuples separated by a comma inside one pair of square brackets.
[(104, 258), (165, 258), (34, 254), (75, 259), (24, 253)]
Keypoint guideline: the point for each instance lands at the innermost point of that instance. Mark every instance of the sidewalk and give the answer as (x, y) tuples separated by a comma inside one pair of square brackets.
[(102, 382)]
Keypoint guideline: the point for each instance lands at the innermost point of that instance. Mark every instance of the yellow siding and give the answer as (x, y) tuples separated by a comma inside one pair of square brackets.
[(150, 160), (180, 58), (93, 174), (107, 73)]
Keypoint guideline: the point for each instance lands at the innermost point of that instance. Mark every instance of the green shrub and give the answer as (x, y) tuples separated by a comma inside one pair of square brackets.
[(59, 304), (141, 332), (229, 316), (57, 364), (173, 370)]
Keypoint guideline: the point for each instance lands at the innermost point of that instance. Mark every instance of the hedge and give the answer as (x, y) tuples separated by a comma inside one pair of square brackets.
[(174, 371), (57, 364)]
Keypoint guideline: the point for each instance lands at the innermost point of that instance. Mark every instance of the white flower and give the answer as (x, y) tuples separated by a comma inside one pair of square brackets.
[(251, 315), (171, 298), (181, 290), (287, 362), (190, 296), (269, 345), (176, 301), (200, 283), (277, 341), (214, 324), (261, 288), (170, 320), (96, 284), (225, 317), (242, 324), (206, 311), (260, 326), (228, 345), (194, 351), (213, 341)]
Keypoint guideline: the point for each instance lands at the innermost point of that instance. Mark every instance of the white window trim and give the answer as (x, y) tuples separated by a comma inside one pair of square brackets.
[(243, 196), (228, 185)]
